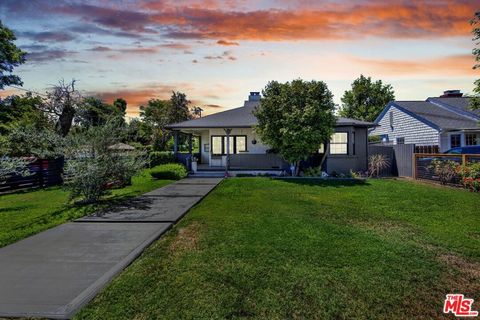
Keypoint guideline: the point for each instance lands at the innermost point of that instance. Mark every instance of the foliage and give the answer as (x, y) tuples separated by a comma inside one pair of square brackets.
[(475, 22), (366, 100), (445, 170), (10, 57), (92, 167), (470, 175), (94, 112), (171, 171), (37, 142), (374, 139), (377, 163), (120, 105), (295, 118), (22, 111), (312, 172), (159, 113), (161, 157), (12, 166)]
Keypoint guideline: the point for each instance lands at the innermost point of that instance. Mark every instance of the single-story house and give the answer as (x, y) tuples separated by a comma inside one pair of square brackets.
[(230, 135), (446, 121)]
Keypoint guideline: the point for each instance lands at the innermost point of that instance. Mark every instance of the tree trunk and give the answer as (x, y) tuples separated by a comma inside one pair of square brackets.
[(297, 168), (65, 120), (325, 152)]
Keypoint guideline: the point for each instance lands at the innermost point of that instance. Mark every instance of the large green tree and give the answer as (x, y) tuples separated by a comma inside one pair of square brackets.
[(22, 111), (475, 101), (10, 57), (366, 100), (94, 112), (294, 118)]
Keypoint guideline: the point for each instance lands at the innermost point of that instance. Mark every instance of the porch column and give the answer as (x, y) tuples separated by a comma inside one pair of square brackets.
[(175, 143), (190, 143), (227, 131)]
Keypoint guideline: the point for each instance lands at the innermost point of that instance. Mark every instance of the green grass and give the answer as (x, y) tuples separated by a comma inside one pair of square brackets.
[(298, 249), (28, 212)]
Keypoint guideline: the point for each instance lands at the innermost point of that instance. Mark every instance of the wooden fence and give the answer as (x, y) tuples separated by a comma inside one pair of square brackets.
[(421, 163), (43, 173)]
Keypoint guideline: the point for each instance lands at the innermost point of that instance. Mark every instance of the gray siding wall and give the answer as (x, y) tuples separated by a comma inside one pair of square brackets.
[(357, 161), (406, 126)]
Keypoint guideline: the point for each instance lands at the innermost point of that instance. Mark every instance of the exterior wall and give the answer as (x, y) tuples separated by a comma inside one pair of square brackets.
[(357, 158), (445, 139), (258, 148), (406, 126)]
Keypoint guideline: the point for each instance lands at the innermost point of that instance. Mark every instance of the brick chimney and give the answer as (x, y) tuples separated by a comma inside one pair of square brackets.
[(452, 94)]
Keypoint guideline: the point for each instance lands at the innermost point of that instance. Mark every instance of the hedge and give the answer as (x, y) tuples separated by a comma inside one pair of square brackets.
[(170, 171), (161, 157)]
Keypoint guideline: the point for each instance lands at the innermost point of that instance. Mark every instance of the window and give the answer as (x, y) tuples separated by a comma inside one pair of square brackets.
[(455, 141), (241, 142), (401, 140), (471, 139), (217, 146), (236, 144), (339, 143)]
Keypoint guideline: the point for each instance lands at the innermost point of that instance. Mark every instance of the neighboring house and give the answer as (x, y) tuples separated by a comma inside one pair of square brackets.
[(347, 151), (446, 122)]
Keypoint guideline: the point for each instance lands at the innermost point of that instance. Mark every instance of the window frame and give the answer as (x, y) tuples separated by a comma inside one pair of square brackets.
[(224, 145), (474, 138), (400, 140), (340, 143), (456, 135)]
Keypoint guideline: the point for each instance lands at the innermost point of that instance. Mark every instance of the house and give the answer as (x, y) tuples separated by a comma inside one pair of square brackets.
[(229, 136), (444, 121)]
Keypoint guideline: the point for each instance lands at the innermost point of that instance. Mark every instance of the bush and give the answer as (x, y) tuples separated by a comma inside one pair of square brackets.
[(470, 175), (312, 172), (92, 167), (445, 170), (377, 163), (12, 166), (161, 157), (170, 171)]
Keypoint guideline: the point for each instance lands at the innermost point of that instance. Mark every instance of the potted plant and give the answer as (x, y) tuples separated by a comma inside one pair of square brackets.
[(194, 164)]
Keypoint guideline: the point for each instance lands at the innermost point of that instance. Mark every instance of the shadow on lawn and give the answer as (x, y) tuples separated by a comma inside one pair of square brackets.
[(336, 183)]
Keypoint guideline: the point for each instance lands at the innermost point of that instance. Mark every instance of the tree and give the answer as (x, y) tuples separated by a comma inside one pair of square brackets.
[(475, 22), (63, 101), (294, 118), (121, 105), (179, 107), (366, 100), (22, 111), (10, 57), (196, 112), (94, 112)]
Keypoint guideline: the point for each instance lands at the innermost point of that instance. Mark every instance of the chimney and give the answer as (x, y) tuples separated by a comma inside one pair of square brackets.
[(452, 94), (254, 96)]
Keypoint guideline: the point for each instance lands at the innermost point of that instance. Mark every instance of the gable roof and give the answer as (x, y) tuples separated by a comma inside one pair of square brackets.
[(438, 113), (243, 117)]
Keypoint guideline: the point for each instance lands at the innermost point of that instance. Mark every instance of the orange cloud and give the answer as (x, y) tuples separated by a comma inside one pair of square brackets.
[(227, 43), (456, 65), (406, 19)]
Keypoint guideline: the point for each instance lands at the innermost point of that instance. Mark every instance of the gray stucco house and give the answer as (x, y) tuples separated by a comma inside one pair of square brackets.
[(445, 121), (230, 134)]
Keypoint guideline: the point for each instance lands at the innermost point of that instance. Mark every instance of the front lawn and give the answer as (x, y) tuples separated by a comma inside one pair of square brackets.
[(298, 249), (28, 212)]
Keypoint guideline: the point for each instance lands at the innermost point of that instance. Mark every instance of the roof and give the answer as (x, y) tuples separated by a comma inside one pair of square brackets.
[(439, 113), (243, 118)]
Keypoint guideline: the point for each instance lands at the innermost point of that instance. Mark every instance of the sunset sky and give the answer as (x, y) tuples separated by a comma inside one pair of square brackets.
[(218, 51)]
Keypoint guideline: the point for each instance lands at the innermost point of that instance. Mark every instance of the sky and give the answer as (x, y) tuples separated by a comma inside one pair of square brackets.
[(218, 51)]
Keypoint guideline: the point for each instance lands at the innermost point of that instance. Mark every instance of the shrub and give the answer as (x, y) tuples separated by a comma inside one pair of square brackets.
[(161, 157), (92, 167), (12, 166), (470, 175), (170, 171), (312, 172), (445, 170), (377, 163)]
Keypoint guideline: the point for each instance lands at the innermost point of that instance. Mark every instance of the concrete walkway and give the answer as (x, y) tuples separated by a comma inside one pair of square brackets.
[(54, 273)]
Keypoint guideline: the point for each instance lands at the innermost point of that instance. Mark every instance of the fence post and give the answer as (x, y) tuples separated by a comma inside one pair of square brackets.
[(414, 165), (464, 160)]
